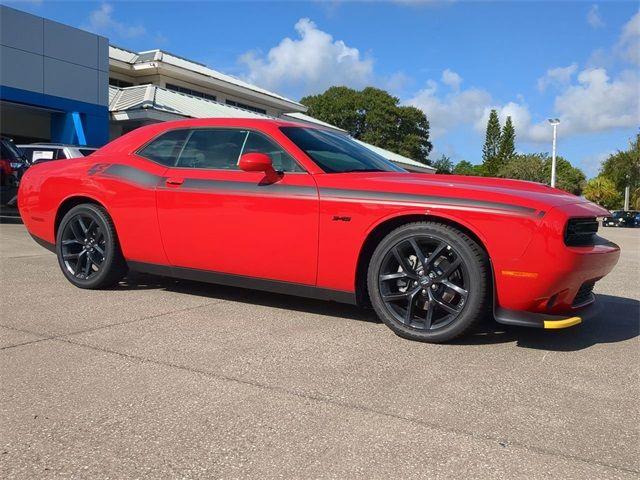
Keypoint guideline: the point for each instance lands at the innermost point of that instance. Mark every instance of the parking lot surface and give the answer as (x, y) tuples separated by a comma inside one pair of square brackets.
[(160, 378)]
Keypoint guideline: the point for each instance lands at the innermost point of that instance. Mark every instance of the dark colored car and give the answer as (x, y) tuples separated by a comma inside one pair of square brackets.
[(622, 218), (45, 152), (293, 209), (12, 167)]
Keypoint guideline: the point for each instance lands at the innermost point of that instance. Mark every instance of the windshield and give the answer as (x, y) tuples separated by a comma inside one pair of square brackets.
[(337, 153)]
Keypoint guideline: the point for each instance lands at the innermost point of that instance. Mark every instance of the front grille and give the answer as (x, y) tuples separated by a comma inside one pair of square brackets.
[(585, 294), (581, 232)]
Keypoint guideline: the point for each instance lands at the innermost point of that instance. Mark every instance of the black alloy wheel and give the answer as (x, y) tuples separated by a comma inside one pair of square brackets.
[(429, 282), (87, 248), (83, 247)]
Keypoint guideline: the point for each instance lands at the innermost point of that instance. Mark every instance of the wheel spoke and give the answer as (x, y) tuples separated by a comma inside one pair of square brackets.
[(419, 252), (436, 253), (71, 241), (408, 317), (83, 227), (76, 232), (99, 249), (403, 263), (87, 266), (450, 269), (72, 256), (429, 318), (463, 293), (393, 276), (391, 297), (446, 306)]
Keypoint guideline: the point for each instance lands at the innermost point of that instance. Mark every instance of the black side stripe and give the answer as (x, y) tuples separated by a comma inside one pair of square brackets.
[(268, 188), (411, 197), (141, 177), (132, 174)]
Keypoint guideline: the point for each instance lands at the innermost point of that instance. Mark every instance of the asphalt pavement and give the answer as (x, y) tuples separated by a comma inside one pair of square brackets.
[(159, 378)]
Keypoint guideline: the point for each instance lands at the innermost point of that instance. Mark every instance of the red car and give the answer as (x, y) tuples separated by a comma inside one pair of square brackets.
[(288, 208)]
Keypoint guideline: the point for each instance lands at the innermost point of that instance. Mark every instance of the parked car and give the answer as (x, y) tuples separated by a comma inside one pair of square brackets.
[(302, 210), (12, 167), (45, 152), (621, 218)]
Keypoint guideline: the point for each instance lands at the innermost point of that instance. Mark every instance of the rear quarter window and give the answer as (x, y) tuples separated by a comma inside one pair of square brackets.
[(166, 148)]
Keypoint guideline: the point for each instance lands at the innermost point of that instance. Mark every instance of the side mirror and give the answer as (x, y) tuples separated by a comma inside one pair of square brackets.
[(256, 162)]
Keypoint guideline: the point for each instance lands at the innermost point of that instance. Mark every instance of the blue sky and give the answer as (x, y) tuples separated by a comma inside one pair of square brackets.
[(456, 60)]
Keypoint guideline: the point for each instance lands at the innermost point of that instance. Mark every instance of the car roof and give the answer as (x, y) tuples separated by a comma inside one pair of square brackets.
[(55, 145)]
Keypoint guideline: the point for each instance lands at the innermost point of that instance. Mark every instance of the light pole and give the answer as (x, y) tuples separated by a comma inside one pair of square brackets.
[(554, 122), (626, 193)]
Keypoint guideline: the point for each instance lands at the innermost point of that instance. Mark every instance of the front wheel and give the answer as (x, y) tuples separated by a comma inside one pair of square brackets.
[(87, 248), (429, 282)]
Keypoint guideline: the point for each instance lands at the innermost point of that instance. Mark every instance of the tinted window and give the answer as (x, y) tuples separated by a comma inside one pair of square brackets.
[(337, 153), (166, 148), (213, 148), (10, 151), (282, 161), (86, 151)]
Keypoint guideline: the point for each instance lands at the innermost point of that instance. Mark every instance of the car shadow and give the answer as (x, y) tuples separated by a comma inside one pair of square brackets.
[(143, 281), (619, 317), (618, 320)]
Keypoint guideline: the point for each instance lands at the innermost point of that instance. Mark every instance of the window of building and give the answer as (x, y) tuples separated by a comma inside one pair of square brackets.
[(216, 148), (188, 91), (282, 161), (166, 148), (233, 103), (115, 82)]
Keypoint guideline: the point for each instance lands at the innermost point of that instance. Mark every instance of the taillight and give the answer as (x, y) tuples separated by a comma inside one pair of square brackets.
[(581, 231)]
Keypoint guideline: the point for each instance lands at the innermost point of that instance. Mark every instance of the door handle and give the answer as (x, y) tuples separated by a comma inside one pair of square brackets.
[(174, 181)]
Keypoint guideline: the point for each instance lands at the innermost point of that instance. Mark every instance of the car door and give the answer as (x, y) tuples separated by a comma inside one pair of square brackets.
[(215, 217)]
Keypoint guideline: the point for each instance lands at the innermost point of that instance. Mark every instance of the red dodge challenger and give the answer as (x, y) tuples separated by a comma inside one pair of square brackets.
[(294, 209)]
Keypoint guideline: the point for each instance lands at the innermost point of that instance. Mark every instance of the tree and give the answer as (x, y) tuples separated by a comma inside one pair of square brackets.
[(443, 164), (623, 167), (491, 146), (602, 190), (525, 167), (463, 167), (374, 116), (507, 148), (536, 167), (568, 178)]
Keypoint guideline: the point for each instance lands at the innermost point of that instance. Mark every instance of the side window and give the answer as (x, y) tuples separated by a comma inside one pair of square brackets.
[(215, 148), (166, 148), (282, 161)]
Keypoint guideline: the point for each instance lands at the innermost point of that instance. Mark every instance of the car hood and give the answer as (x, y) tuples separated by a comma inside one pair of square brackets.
[(484, 189)]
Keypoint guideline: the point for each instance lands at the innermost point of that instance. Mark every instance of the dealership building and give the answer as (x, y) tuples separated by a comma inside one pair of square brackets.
[(63, 84)]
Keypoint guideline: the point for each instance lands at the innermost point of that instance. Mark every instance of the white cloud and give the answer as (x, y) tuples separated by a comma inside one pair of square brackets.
[(311, 63), (599, 103), (101, 21), (454, 109), (628, 45), (452, 79), (558, 76), (593, 17)]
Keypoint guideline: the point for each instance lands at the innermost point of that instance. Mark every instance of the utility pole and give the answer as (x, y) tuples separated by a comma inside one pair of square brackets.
[(554, 122)]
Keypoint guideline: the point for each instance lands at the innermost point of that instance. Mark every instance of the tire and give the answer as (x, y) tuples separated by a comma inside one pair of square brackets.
[(435, 304), (88, 249)]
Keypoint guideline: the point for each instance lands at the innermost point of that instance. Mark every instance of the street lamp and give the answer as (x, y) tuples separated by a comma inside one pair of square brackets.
[(554, 122)]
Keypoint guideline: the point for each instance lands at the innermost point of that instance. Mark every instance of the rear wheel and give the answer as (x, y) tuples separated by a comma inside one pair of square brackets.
[(88, 249), (429, 282)]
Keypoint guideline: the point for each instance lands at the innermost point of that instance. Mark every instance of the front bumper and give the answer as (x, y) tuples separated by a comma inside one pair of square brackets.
[(544, 320), (552, 278)]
